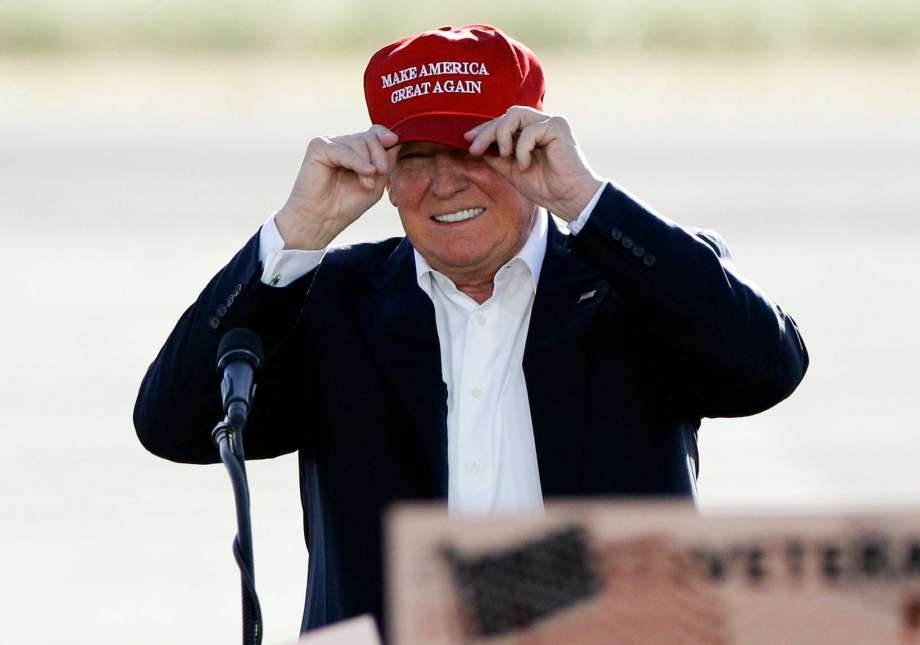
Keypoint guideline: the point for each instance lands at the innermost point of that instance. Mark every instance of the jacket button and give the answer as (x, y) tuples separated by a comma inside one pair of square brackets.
[(616, 234), (238, 289), (627, 242), (221, 310), (638, 250), (213, 322), (230, 300), (648, 260)]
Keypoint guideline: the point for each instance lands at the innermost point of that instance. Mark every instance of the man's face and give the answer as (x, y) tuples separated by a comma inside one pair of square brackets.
[(430, 181)]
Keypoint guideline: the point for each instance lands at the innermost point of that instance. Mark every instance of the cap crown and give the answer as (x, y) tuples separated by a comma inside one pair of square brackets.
[(475, 72)]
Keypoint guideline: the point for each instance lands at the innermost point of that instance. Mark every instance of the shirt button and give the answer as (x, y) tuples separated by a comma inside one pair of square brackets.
[(276, 279), (481, 320), (476, 393)]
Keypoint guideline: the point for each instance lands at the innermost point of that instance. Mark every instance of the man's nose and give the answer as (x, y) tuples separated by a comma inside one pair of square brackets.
[(447, 177)]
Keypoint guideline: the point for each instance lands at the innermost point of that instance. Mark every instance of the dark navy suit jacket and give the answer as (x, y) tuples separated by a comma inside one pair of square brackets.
[(617, 381)]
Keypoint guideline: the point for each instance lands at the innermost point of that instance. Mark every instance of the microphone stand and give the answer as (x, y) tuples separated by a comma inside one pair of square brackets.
[(230, 444)]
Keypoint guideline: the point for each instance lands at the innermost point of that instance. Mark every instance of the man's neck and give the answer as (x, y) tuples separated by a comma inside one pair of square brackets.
[(478, 290)]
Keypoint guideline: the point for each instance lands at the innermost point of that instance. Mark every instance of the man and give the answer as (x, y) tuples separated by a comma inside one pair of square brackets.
[(487, 359)]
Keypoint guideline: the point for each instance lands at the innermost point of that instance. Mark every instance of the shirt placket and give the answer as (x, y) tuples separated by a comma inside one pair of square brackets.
[(477, 409)]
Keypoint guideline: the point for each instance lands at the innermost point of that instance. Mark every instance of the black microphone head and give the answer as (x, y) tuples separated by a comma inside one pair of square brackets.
[(240, 344)]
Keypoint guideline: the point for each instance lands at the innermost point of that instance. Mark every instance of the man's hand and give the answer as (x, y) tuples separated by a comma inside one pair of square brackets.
[(539, 156), (340, 178)]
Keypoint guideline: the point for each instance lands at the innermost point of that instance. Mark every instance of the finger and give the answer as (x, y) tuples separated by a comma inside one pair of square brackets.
[(386, 136), (504, 133), (484, 138), (522, 113), (377, 153), (361, 147), (470, 134), (341, 155), (527, 142), (380, 181)]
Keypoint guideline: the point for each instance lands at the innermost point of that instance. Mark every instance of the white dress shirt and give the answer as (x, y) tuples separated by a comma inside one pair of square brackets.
[(491, 456)]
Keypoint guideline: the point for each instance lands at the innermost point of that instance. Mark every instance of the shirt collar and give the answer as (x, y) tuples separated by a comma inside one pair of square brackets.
[(531, 254)]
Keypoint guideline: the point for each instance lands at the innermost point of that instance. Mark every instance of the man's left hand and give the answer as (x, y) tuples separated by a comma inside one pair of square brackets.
[(538, 154)]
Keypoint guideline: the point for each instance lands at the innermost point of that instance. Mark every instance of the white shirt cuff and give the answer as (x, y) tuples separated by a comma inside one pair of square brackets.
[(283, 266), (578, 223)]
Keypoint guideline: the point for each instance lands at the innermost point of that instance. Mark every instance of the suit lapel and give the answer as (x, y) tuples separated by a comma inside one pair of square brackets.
[(556, 362), (400, 323)]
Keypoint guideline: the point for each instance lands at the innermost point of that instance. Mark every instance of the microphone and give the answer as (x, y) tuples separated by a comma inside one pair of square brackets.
[(239, 357)]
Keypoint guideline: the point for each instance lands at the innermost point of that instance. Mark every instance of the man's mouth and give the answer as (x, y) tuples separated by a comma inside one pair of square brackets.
[(458, 216)]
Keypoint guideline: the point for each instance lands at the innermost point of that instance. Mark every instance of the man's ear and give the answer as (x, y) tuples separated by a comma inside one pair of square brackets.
[(392, 156), (390, 192)]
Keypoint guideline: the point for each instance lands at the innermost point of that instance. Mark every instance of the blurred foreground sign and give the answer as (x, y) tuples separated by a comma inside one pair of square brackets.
[(355, 631), (643, 574)]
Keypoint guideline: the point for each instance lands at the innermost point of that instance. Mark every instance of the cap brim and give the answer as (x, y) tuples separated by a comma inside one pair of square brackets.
[(447, 129)]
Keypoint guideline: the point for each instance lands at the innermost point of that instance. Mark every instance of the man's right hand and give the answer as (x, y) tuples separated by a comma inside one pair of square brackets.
[(340, 178)]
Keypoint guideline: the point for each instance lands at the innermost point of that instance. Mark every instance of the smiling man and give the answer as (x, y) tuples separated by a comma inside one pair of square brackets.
[(464, 219), (491, 359)]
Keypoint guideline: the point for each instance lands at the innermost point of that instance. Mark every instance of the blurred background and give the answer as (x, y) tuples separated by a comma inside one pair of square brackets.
[(141, 143)]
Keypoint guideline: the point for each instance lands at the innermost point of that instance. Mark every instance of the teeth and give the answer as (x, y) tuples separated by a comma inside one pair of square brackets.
[(459, 216)]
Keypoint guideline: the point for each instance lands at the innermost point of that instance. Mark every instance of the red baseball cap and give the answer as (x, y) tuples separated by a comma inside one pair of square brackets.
[(436, 85)]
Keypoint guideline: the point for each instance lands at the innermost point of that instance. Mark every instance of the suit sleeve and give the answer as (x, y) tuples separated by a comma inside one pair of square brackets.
[(179, 399), (728, 350)]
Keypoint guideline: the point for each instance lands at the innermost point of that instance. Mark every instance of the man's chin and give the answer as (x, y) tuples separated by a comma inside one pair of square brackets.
[(457, 261)]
